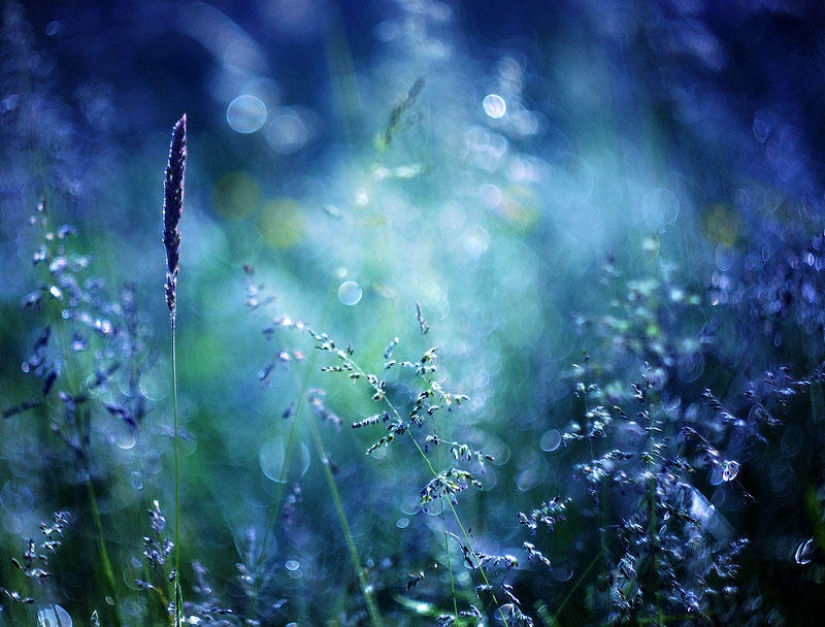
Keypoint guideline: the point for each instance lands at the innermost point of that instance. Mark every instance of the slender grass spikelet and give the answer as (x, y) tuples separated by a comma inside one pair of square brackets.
[(173, 208)]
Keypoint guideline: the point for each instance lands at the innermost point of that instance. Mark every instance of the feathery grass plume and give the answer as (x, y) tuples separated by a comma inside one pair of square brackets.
[(173, 208)]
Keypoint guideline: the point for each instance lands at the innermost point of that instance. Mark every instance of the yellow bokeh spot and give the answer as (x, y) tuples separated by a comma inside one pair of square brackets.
[(374, 221), (721, 224), (282, 222), (520, 207), (236, 195)]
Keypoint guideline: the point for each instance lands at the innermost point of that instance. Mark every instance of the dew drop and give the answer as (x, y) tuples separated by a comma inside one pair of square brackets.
[(350, 293)]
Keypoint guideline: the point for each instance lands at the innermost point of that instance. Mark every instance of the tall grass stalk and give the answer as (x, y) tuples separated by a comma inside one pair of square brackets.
[(108, 571), (363, 584), (274, 511), (172, 210)]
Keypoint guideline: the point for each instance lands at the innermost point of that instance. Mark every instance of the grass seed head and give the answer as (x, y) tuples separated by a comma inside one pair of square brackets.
[(173, 208)]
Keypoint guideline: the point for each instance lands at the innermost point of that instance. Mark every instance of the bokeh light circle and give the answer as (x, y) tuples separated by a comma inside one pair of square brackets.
[(660, 207), (282, 461), (282, 222), (246, 114), (350, 293), (236, 194), (287, 133), (494, 106), (551, 440)]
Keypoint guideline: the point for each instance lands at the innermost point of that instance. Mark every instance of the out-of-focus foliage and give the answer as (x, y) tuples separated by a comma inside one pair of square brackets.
[(486, 314)]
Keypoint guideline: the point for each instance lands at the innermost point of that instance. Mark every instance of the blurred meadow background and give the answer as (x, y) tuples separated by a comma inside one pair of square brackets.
[(558, 262)]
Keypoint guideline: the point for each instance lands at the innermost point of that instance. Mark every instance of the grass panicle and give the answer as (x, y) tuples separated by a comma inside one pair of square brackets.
[(173, 191)]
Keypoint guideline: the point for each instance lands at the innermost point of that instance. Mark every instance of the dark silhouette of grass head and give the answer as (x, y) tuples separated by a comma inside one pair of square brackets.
[(173, 208)]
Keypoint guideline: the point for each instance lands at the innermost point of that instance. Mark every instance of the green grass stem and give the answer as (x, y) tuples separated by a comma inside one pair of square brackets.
[(178, 595), (369, 600)]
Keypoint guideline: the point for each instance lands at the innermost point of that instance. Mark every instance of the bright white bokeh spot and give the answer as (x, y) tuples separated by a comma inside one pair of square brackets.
[(283, 463), (246, 114), (494, 106), (350, 293)]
